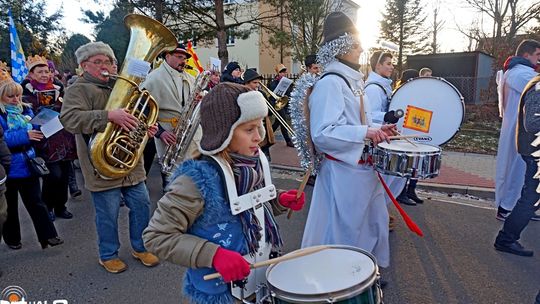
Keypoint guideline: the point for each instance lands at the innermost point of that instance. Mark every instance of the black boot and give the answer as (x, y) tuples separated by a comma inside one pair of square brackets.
[(55, 241), (411, 192), (403, 198), (74, 190)]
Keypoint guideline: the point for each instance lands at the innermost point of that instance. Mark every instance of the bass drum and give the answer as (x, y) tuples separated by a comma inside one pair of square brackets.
[(433, 107)]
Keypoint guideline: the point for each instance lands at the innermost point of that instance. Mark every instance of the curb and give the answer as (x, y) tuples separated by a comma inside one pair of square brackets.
[(481, 192)]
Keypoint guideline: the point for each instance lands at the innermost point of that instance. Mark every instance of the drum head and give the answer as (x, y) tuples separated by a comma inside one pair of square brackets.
[(402, 145), (433, 108), (326, 271)]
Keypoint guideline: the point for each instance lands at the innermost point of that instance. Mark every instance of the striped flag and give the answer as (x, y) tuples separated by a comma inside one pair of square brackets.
[(18, 64), (193, 61)]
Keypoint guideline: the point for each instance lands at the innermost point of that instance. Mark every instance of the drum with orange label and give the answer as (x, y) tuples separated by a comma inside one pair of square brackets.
[(433, 108)]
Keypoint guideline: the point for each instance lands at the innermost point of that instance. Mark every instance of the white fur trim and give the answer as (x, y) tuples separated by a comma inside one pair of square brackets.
[(91, 49), (252, 105)]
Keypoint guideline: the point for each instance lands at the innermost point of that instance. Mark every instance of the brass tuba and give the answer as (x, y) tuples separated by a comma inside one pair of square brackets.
[(115, 152)]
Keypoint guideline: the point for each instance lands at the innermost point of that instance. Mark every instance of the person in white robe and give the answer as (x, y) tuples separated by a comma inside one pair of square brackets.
[(378, 94), (510, 167), (348, 205)]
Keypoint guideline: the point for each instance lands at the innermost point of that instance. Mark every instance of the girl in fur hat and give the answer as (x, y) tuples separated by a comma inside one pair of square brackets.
[(208, 220)]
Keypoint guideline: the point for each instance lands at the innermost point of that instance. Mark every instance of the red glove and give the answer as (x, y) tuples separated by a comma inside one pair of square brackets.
[(230, 264), (288, 199)]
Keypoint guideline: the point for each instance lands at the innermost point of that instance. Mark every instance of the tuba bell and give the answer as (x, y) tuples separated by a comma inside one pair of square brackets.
[(115, 152)]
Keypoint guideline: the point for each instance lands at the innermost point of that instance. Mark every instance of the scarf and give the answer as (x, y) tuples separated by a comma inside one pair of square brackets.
[(15, 118), (513, 61), (249, 176), (38, 86)]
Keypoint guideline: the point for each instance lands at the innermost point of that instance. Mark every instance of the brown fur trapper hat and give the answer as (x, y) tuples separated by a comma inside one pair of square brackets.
[(93, 48), (227, 106)]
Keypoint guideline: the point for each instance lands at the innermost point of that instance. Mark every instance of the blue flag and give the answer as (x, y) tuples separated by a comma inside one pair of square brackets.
[(18, 64)]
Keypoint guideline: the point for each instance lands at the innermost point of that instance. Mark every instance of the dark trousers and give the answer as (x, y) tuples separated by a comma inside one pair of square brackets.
[(55, 186), (276, 124), (30, 192), (3, 207), (525, 206), (149, 154), (72, 179)]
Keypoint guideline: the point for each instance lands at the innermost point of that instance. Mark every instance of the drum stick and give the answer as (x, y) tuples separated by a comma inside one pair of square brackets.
[(300, 189), (289, 256), (404, 136)]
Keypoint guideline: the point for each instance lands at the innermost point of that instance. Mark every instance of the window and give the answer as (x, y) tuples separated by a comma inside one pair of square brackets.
[(230, 37)]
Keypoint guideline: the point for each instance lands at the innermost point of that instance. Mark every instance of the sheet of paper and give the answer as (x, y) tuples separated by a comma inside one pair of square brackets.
[(215, 64), (283, 86), (137, 67), (44, 116), (51, 127)]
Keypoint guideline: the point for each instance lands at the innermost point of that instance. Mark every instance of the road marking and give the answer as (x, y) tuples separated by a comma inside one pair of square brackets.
[(462, 203)]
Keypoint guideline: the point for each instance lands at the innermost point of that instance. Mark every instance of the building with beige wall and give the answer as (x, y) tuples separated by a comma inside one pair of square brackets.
[(256, 51)]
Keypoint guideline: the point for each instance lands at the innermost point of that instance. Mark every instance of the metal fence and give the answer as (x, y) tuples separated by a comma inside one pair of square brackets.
[(475, 90)]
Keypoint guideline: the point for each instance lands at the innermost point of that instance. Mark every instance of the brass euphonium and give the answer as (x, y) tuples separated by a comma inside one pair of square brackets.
[(115, 152)]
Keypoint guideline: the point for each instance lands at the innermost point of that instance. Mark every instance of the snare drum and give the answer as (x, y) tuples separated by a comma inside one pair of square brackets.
[(433, 108), (401, 158), (339, 274)]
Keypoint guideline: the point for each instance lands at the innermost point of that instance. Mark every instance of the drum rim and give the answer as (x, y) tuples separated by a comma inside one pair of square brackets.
[(462, 100), (416, 152), (338, 295)]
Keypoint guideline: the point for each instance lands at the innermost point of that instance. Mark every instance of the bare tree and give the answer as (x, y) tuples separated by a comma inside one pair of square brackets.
[(303, 32), (508, 18), (206, 20), (436, 26)]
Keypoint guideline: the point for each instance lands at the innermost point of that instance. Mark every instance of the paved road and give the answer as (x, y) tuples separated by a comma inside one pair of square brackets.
[(453, 263)]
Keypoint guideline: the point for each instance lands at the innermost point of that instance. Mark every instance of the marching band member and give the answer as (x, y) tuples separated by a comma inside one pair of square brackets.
[(281, 71), (83, 114), (348, 203), (171, 86), (194, 225), (311, 65), (510, 166), (252, 80)]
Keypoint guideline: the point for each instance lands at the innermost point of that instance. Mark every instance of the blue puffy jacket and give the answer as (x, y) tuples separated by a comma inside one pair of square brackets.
[(17, 140)]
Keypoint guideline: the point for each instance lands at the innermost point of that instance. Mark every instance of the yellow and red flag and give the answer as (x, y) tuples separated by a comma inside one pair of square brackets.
[(193, 61)]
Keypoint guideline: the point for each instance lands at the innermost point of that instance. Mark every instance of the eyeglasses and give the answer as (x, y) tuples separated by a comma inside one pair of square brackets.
[(101, 62), (179, 56)]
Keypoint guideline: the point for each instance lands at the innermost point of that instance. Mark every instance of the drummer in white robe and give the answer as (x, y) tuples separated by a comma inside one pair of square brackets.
[(348, 204), (509, 174), (378, 93)]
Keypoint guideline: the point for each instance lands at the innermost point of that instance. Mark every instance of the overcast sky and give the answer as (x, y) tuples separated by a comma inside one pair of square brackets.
[(452, 12)]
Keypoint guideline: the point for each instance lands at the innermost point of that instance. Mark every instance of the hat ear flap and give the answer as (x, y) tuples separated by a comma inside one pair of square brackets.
[(262, 130)]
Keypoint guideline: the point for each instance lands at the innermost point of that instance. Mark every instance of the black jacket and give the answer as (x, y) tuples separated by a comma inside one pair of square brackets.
[(5, 158)]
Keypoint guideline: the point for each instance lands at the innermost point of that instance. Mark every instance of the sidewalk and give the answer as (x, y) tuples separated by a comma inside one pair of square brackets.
[(465, 173)]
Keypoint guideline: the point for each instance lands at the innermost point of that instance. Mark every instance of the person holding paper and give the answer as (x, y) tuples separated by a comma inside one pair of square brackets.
[(57, 147), (171, 87), (20, 135), (281, 69)]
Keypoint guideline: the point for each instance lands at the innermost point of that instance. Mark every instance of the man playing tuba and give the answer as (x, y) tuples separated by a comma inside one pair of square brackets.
[(171, 86), (83, 114)]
